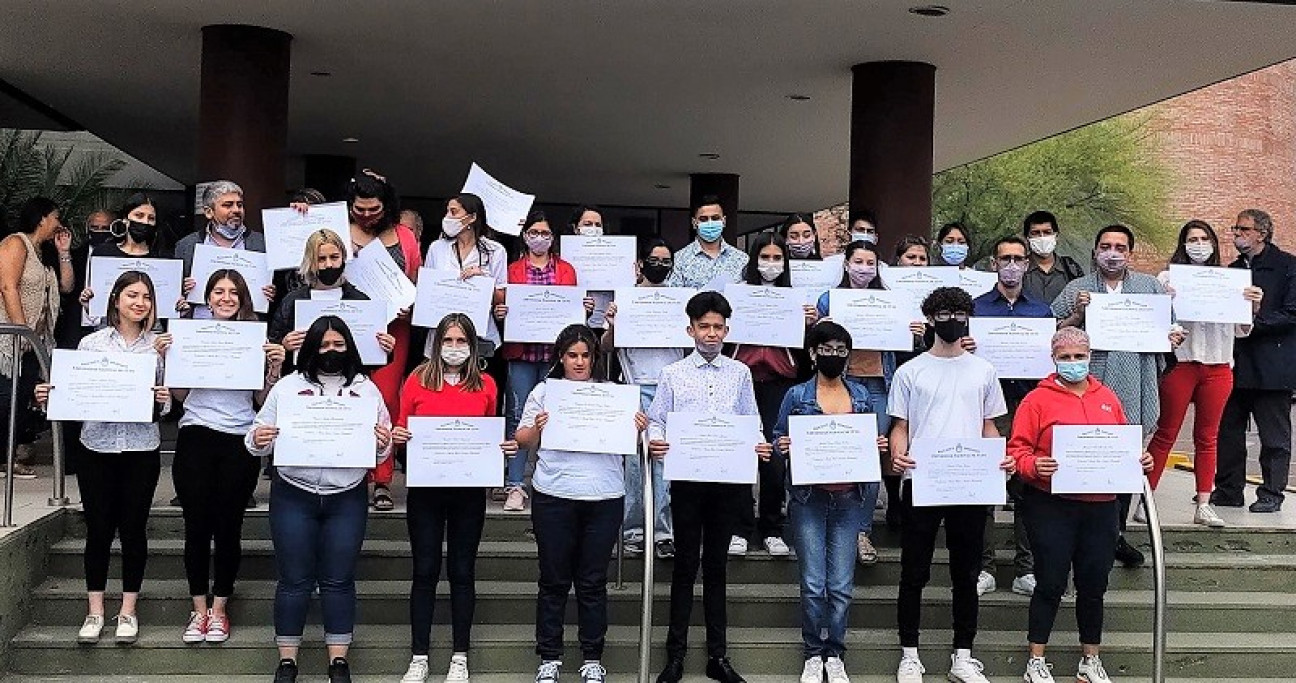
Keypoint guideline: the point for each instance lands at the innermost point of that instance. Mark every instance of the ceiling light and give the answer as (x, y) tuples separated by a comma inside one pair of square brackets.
[(350, 141), (799, 98), (661, 186), (710, 155), (929, 10), (321, 74)]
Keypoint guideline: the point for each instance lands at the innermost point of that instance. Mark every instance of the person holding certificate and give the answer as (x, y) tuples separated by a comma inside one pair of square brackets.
[(1202, 376), (802, 238), (1135, 377), (213, 476), (318, 513), (119, 471), (954, 244), (709, 259), (945, 392), (222, 203), (587, 221), (134, 236), (450, 385), (465, 249), (576, 513), (1071, 535), (826, 518)]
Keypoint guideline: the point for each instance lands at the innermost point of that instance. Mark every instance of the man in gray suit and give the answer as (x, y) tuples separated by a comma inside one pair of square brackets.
[(222, 203)]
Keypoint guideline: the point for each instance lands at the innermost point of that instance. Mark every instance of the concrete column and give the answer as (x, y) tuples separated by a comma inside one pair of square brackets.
[(329, 173), (724, 186)]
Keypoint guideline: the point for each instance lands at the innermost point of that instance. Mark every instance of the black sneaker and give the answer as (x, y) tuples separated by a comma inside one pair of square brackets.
[(287, 672), (719, 668), (673, 672), (1220, 500), (1128, 555), (339, 671), (1266, 505), (665, 549)]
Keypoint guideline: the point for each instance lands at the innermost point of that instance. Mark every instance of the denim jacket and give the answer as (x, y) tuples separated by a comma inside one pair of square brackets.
[(802, 400), (888, 357)]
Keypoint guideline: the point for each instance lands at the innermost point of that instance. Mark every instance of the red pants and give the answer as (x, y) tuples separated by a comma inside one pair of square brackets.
[(1207, 387), (388, 379)]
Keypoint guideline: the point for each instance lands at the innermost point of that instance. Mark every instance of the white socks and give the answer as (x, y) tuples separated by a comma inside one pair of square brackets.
[(909, 652)]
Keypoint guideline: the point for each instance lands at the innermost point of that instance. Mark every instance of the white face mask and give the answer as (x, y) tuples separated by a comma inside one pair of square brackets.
[(589, 230), (1043, 245), (1199, 251), (452, 226), (770, 272), (455, 356)]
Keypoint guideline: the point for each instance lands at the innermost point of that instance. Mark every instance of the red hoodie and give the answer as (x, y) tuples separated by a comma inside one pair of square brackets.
[(1052, 404)]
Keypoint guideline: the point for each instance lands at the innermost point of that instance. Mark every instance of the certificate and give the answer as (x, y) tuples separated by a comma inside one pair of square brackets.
[(717, 448), (167, 276), (877, 319), (603, 262), (958, 472), (591, 417), (506, 208), (1018, 348), (834, 449), (102, 386), (326, 431), (250, 264), (455, 451), (441, 292), (652, 318), (921, 281), (1098, 459), (769, 316), (1212, 295), (216, 354), (537, 313), (976, 282), (365, 318), (821, 275), (286, 231), (1129, 322), (374, 272)]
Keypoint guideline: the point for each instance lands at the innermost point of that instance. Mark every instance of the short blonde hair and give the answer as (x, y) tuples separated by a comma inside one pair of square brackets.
[(1068, 336), (309, 269)]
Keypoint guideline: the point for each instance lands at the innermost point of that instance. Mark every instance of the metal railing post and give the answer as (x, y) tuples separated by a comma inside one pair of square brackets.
[(18, 333), (650, 556), (1158, 585), (12, 435)]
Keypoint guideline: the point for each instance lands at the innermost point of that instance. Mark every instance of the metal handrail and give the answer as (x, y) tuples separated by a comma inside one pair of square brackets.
[(645, 620), (59, 497), (1158, 585)]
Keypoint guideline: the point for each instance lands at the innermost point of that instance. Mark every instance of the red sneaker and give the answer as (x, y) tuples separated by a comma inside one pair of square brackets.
[(218, 627)]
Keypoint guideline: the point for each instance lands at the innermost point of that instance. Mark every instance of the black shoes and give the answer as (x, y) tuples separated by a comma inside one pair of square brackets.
[(665, 549), (673, 672), (719, 668), (1128, 555), (287, 672), (1266, 505), (1222, 501), (339, 671)]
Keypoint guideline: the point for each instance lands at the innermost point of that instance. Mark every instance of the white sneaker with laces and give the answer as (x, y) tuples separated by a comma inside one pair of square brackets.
[(737, 546), (593, 672), (548, 672), (1038, 670), (1024, 585), (196, 630), (966, 670), (836, 670), (458, 672), (776, 547), (127, 629), (1091, 670), (813, 671), (911, 670), (986, 583), (1140, 513), (1206, 516), (417, 672), (91, 628)]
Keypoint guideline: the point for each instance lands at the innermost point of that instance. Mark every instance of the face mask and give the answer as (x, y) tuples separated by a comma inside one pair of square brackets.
[(954, 254), (455, 356), (655, 273), (589, 230), (451, 227), (951, 330), (329, 276), (831, 367), (865, 237), (1073, 370), (861, 275), (1111, 262), (1043, 245), (710, 349), (710, 231), (1199, 251), (141, 232), (98, 237), (330, 362), (367, 221), (229, 231), (770, 272), (800, 249), (539, 245), (1011, 275), (1243, 245)]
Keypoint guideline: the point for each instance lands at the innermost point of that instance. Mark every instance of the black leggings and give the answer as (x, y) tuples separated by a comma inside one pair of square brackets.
[(455, 515), (117, 493), (213, 475)]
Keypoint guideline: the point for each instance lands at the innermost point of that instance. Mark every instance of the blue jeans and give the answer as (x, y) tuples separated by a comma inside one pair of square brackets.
[(316, 543), (878, 406), (825, 526), (523, 376), (633, 525)]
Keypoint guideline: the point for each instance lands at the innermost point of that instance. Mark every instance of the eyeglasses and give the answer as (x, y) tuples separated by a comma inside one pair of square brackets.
[(1242, 228), (659, 262), (946, 316), (367, 210), (539, 234), (839, 351), (1012, 259)]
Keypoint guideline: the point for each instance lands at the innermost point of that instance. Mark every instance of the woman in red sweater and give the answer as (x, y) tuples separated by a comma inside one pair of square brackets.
[(1067, 532), (450, 384)]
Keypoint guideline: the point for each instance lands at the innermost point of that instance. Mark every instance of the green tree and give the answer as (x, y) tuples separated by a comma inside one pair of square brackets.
[(29, 169)]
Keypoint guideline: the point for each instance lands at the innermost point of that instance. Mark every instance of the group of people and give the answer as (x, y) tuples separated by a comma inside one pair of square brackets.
[(580, 502)]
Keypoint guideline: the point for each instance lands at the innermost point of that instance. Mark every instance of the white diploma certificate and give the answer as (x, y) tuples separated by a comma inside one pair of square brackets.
[(1018, 348), (1098, 459), (1129, 322), (506, 208), (769, 316), (286, 231), (101, 386), (877, 319), (921, 281), (537, 313), (834, 449), (652, 318), (374, 272), (455, 451), (958, 472), (603, 262), (167, 276), (365, 318), (216, 354), (250, 264), (326, 431), (818, 275), (716, 448), (976, 282), (1211, 295), (441, 292), (591, 417)]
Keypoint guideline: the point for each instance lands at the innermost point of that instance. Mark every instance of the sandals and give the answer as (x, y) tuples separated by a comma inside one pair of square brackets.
[(382, 500)]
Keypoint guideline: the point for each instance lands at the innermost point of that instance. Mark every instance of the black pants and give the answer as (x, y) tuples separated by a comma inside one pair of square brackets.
[(770, 518), (705, 516), (1066, 535), (213, 475), (574, 540), (1272, 411), (965, 539), (117, 493), (455, 515), (28, 421)]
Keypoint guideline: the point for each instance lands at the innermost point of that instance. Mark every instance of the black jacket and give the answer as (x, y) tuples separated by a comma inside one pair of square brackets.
[(1265, 360)]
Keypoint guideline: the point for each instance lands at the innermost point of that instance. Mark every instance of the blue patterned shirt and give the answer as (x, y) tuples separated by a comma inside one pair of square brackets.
[(695, 268)]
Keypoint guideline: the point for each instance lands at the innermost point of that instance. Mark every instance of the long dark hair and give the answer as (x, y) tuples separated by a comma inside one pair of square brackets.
[(1180, 255), (118, 227), (797, 218), (31, 214), (473, 206), (569, 337), (367, 185), (759, 242), (245, 311), (125, 280), (308, 354), (860, 245), (532, 218), (431, 372)]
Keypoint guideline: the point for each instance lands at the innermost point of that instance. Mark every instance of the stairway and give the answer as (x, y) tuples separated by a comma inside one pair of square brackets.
[(1232, 613)]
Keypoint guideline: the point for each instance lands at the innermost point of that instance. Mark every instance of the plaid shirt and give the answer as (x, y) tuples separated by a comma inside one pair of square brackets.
[(540, 353)]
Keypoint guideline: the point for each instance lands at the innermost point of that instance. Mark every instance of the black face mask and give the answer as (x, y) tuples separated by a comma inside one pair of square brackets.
[(329, 276), (98, 237), (951, 330), (655, 273), (831, 367), (141, 233), (330, 362)]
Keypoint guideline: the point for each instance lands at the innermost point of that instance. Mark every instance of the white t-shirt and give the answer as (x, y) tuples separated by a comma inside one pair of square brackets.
[(492, 258), (946, 397), (568, 474)]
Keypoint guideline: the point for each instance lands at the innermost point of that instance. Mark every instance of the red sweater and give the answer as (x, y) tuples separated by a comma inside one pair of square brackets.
[(1052, 404), (417, 400), (564, 274)]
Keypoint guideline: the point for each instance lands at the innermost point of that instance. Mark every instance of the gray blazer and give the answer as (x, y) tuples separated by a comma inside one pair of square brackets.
[(184, 249)]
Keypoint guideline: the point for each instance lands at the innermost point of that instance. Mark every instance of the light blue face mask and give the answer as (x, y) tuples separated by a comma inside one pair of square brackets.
[(1073, 370), (865, 237), (954, 254), (710, 231)]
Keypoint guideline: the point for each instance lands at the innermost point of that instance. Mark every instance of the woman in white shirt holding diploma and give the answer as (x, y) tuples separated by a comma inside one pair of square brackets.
[(318, 514), (119, 471)]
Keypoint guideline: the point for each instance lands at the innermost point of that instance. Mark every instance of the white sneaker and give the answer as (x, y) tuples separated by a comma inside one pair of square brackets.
[(593, 672), (196, 630), (911, 670), (774, 546), (90, 629), (127, 629), (1024, 585), (548, 672), (836, 670), (986, 583), (966, 671), (417, 672), (1038, 670), (458, 672), (738, 546), (813, 671), (1140, 513), (1206, 516), (1091, 671)]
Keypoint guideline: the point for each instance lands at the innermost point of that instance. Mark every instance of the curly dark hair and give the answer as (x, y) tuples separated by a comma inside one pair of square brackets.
[(950, 299)]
